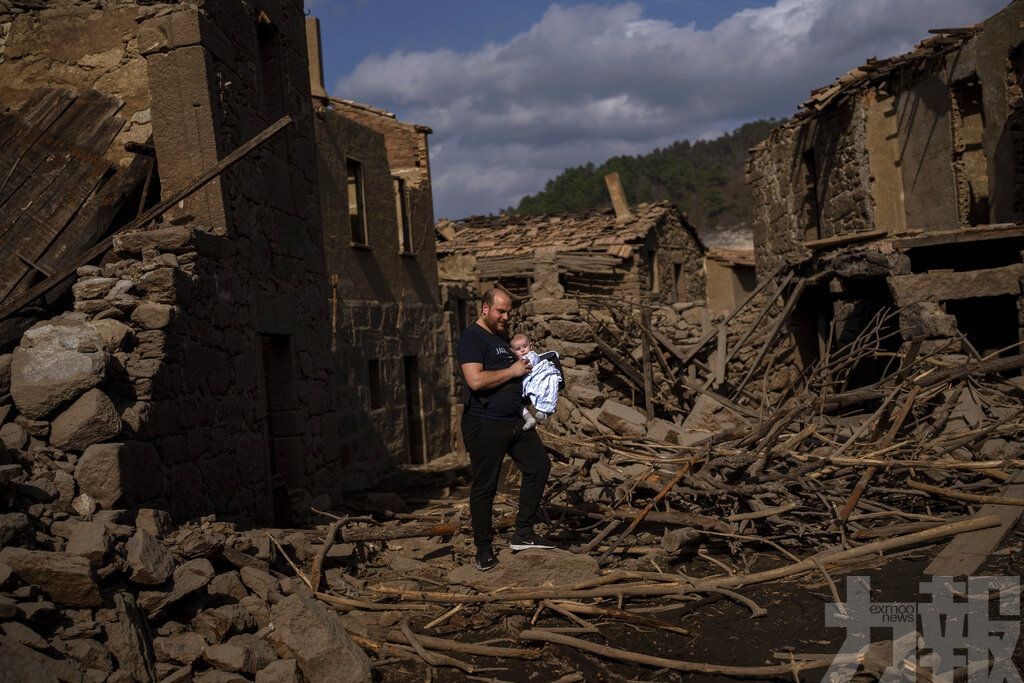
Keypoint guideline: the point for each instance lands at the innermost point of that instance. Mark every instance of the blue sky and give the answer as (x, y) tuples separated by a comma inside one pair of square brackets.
[(517, 90)]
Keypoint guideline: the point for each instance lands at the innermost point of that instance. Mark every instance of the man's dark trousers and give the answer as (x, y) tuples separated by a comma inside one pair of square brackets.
[(487, 442)]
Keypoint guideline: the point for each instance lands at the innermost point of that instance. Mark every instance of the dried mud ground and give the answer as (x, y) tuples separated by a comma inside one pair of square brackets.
[(721, 631)]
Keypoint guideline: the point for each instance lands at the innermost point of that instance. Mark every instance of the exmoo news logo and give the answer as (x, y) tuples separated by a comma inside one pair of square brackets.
[(966, 631)]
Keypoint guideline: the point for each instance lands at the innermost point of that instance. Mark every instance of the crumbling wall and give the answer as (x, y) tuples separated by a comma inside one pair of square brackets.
[(772, 172), (680, 256), (71, 44)]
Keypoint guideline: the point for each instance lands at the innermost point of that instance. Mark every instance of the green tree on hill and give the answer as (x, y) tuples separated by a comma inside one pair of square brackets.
[(704, 178)]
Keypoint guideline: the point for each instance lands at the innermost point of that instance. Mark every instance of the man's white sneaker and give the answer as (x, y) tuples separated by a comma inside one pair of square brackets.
[(530, 540)]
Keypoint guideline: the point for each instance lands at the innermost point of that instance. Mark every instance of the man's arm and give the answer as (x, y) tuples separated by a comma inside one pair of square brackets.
[(478, 379)]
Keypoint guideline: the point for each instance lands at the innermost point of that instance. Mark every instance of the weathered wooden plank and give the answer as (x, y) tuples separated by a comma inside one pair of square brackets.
[(93, 220), (72, 139), (68, 177), (19, 129), (16, 303), (946, 286)]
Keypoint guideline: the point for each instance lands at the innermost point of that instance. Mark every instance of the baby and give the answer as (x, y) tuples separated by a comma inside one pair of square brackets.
[(542, 384)]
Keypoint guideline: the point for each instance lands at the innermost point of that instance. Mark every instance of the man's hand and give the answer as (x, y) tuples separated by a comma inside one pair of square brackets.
[(521, 368), (477, 378)]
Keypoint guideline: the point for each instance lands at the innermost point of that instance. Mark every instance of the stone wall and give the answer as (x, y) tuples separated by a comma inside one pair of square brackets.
[(67, 43)]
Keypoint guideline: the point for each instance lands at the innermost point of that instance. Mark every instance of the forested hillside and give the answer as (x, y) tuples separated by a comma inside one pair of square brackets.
[(704, 178)]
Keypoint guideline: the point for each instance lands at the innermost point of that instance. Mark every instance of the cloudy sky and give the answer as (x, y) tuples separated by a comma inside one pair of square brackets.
[(516, 91)]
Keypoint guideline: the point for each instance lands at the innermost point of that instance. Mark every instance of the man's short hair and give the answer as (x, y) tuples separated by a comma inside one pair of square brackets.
[(488, 298)]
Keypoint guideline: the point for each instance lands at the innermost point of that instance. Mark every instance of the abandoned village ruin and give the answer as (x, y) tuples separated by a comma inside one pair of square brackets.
[(227, 313)]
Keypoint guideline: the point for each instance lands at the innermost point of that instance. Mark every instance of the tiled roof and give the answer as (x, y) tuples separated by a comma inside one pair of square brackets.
[(508, 235)]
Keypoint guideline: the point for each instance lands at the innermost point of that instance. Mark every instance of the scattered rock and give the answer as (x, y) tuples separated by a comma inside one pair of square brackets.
[(621, 419), (66, 578), (149, 561), (243, 653), (314, 635), (130, 639), (8, 607), (217, 624), (20, 633), (14, 528), (84, 505), (156, 522), (228, 584), (188, 577), (281, 671), (21, 663), (88, 653), (91, 419), (183, 648), (259, 582), (107, 471), (14, 436), (91, 541)]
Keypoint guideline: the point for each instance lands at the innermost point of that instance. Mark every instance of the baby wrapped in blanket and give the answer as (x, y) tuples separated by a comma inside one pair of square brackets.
[(541, 386)]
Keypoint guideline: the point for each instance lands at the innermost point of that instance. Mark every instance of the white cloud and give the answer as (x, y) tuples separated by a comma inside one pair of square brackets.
[(592, 81)]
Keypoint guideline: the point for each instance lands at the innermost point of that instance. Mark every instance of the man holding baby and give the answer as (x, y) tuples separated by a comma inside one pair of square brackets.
[(493, 425)]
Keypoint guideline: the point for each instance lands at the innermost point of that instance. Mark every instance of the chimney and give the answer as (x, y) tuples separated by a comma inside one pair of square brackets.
[(619, 203), (315, 57)]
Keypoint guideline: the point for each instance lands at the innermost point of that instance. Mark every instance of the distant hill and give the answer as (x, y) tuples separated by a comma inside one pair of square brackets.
[(704, 178)]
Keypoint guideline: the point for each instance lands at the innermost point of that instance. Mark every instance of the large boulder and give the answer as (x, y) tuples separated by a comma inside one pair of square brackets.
[(68, 579), (91, 541), (114, 473), (57, 361), (91, 419), (314, 635), (149, 561), (243, 653), (623, 420)]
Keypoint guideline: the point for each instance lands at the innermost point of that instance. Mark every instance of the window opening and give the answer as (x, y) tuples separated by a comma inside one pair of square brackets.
[(402, 211), (356, 214), (374, 383), (810, 213)]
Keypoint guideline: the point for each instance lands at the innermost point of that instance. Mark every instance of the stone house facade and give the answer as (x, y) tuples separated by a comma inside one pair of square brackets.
[(900, 186), (253, 397)]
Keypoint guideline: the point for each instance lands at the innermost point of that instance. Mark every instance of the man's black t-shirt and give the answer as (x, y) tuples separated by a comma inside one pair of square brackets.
[(504, 402)]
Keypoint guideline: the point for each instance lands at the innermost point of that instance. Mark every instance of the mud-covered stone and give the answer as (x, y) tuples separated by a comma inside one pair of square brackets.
[(68, 579)]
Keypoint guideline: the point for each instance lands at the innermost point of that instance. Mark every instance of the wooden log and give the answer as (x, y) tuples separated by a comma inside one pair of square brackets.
[(962, 496), (674, 664), (434, 643), (386, 533), (650, 506), (350, 603)]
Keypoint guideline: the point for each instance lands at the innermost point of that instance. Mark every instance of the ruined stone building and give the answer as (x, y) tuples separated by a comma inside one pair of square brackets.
[(278, 338), (917, 161), (653, 252)]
